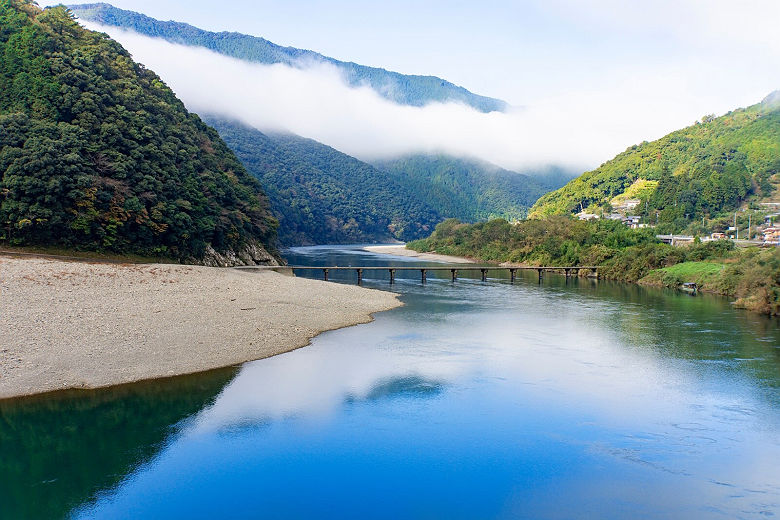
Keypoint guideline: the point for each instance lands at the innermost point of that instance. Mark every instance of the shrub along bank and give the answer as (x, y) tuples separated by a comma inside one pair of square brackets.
[(751, 276)]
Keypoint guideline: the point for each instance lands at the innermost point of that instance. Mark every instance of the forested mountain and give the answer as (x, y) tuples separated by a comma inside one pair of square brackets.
[(321, 195), (97, 153), (703, 170), (400, 88), (469, 189)]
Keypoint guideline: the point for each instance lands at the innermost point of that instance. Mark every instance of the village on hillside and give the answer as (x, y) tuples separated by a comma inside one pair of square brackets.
[(761, 231)]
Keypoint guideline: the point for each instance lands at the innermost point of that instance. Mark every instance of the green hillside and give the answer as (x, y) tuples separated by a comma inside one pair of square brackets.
[(97, 153), (704, 170), (400, 88), (469, 189), (751, 276), (323, 196)]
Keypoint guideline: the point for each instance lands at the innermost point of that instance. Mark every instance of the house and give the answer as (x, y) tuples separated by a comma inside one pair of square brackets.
[(675, 240), (632, 221), (772, 235), (770, 219), (582, 215)]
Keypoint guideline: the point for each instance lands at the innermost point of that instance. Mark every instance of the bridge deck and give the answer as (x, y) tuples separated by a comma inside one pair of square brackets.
[(457, 267), (453, 269)]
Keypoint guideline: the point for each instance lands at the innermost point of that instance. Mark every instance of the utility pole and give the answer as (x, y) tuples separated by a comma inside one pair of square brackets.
[(736, 230), (748, 237)]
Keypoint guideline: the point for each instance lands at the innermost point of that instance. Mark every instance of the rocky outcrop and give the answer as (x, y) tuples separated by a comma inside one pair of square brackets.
[(251, 254)]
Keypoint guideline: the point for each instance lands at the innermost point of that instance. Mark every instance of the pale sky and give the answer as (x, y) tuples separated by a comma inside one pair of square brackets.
[(517, 50), (642, 68)]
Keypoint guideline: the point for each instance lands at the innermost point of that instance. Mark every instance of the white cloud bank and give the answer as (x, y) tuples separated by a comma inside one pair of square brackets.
[(580, 129)]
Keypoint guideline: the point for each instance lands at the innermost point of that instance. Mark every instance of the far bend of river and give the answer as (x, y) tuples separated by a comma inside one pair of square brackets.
[(564, 400)]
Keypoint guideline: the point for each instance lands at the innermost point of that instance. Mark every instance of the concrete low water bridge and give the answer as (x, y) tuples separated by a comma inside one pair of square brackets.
[(568, 271)]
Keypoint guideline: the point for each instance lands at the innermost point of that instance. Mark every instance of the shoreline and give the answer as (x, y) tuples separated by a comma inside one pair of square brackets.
[(81, 325), (741, 303), (400, 250)]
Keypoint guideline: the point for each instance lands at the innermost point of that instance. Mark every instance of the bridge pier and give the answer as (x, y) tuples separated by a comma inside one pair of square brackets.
[(590, 271)]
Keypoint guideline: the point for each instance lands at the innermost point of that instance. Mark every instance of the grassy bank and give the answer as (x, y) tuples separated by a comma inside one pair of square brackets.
[(750, 276), (705, 274)]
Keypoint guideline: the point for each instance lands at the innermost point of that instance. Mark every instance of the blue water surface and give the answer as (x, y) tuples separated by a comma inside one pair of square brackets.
[(565, 399)]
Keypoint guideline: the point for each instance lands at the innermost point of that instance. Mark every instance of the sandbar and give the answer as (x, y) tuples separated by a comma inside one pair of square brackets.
[(400, 250), (67, 325)]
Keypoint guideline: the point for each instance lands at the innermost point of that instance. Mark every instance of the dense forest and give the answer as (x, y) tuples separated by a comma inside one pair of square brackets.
[(700, 171), (97, 153), (399, 88), (323, 196), (472, 190), (750, 276)]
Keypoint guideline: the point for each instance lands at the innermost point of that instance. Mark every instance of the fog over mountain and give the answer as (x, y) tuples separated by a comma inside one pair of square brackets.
[(318, 103), (404, 89), (597, 77)]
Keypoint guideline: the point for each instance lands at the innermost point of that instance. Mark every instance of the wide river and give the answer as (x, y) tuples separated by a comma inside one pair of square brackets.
[(565, 399)]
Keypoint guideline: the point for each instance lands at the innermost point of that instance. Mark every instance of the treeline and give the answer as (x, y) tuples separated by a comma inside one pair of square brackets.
[(97, 153), (401, 88), (472, 190), (629, 255), (323, 196), (702, 171)]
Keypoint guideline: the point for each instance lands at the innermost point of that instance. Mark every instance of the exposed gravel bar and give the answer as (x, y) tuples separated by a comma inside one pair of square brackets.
[(400, 250), (88, 325)]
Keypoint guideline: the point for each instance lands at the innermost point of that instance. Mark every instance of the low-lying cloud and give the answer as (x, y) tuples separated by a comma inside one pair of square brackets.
[(579, 130)]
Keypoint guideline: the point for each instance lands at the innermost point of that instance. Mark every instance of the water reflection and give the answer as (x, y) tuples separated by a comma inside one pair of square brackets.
[(400, 387), (58, 450), (491, 400), (485, 400)]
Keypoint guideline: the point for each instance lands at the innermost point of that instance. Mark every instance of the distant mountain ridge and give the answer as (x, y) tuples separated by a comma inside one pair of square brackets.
[(413, 90), (323, 196), (471, 189)]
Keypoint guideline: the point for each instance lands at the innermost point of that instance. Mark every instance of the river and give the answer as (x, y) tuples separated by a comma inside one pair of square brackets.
[(565, 399)]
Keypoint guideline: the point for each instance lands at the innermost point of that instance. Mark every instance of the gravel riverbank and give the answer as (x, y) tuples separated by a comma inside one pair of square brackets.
[(87, 325), (400, 250)]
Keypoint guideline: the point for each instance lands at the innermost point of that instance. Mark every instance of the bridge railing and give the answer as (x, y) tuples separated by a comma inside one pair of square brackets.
[(454, 270)]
